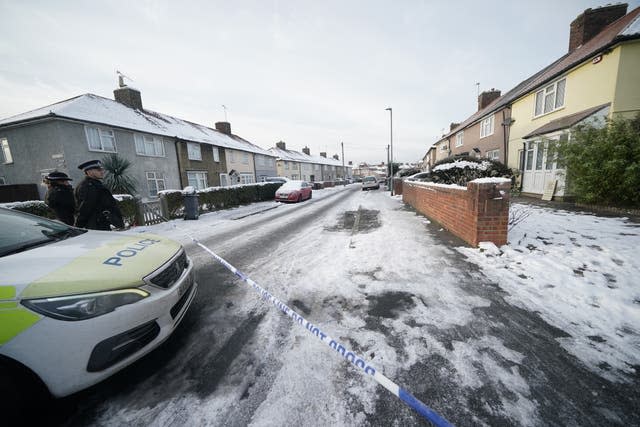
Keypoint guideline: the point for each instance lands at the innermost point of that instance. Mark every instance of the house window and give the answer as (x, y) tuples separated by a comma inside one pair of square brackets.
[(246, 178), (459, 139), (232, 156), (493, 154), (550, 98), (286, 166), (444, 147), (245, 158), (147, 145), (486, 127), (193, 151), (155, 182), (5, 152), (197, 180), (529, 156), (216, 154), (100, 139), (294, 177)]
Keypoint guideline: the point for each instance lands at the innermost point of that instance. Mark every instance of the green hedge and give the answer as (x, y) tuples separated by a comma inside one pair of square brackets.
[(216, 198)]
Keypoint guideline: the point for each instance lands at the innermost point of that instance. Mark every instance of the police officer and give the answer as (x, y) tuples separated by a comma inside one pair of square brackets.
[(97, 208), (59, 196)]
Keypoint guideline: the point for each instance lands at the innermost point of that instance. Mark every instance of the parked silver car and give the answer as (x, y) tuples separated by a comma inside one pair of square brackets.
[(370, 182)]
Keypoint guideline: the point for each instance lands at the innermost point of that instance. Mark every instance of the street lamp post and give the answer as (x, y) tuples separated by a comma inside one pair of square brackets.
[(344, 177), (390, 110)]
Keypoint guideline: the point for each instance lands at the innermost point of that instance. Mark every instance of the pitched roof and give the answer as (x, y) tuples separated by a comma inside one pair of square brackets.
[(625, 28), (566, 121), (296, 156), (96, 109)]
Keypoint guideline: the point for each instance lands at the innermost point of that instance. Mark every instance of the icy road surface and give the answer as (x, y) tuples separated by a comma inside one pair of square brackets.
[(392, 286)]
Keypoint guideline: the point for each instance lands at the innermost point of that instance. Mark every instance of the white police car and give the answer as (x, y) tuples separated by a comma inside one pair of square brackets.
[(76, 306)]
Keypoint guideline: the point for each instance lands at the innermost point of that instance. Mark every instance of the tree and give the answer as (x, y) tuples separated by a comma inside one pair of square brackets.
[(603, 164), (118, 178)]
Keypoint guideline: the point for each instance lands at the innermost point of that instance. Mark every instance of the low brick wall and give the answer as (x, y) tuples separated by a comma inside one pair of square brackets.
[(479, 213)]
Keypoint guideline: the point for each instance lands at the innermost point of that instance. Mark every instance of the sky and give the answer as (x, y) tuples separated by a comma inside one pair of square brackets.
[(313, 74)]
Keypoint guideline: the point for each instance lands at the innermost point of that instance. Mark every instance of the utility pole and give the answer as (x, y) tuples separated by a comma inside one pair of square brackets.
[(390, 110)]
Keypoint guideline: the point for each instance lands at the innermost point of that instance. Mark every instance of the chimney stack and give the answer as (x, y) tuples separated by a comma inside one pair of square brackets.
[(452, 126), (323, 155), (591, 22), (281, 145), (224, 127), (128, 96), (335, 156), (306, 151), (487, 97)]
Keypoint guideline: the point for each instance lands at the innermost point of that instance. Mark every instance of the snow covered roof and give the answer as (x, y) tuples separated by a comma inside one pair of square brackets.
[(96, 109), (296, 156)]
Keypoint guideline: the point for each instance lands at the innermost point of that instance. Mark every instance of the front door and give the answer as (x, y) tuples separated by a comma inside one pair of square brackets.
[(540, 167)]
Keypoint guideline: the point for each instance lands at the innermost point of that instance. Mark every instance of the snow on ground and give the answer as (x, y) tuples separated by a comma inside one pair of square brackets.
[(581, 273), (576, 270)]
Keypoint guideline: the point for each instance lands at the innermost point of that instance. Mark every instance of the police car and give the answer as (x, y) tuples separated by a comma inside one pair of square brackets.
[(76, 306)]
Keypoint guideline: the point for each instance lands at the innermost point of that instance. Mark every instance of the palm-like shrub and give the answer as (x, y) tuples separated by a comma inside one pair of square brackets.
[(118, 178)]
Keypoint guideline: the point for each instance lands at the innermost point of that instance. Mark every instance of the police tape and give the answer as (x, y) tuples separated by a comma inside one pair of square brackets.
[(350, 356)]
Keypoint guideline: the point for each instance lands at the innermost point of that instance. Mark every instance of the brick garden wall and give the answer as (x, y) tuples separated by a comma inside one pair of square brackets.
[(479, 213)]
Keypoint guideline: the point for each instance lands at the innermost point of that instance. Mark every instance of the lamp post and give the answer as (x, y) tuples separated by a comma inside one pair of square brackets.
[(390, 110), (344, 177)]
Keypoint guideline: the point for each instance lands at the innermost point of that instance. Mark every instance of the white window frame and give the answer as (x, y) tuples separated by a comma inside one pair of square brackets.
[(193, 151), (3, 180), (232, 156), (216, 154), (286, 165), (245, 158), (493, 154), (155, 182), (486, 126), (197, 179), (247, 178), (149, 145), (550, 92), (5, 151), (460, 139), (104, 135)]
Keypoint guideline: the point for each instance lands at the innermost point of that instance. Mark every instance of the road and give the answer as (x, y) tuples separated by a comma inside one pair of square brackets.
[(383, 280)]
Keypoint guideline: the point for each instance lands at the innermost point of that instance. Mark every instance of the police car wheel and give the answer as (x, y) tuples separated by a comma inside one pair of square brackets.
[(20, 394)]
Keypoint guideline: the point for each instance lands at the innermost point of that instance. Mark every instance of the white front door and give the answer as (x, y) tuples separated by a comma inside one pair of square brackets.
[(540, 167)]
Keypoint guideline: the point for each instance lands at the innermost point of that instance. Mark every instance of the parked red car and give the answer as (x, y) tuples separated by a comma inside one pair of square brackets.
[(293, 191)]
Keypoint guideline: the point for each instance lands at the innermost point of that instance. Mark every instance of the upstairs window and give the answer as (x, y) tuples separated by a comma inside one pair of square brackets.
[(216, 154), (5, 152), (245, 158), (147, 145), (444, 146), (460, 139), (486, 127), (100, 139), (550, 98), (193, 151)]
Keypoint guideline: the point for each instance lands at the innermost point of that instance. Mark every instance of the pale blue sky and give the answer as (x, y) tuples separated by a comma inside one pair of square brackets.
[(306, 72)]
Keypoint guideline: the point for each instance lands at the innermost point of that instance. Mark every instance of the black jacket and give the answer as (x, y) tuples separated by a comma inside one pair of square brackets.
[(60, 199), (96, 206)]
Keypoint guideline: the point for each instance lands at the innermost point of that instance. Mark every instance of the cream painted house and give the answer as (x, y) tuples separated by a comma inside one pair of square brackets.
[(599, 77)]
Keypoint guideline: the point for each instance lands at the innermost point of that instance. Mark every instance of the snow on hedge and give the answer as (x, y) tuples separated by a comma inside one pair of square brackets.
[(461, 164)]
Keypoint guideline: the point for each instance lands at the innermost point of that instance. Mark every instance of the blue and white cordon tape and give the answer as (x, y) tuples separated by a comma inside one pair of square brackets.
[(352, 357)]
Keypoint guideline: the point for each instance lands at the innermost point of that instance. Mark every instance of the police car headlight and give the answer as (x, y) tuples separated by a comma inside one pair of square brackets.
[(81, 307)]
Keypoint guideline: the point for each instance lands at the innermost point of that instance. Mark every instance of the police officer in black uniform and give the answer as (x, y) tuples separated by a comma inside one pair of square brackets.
[(59, 196), (97, 208)]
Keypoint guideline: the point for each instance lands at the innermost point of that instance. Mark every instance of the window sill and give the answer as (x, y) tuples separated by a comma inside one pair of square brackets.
[(550, 112), (102, 151), (151, 155)]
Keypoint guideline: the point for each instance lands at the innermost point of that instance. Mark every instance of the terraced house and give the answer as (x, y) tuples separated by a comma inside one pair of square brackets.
[(303, 166), (597, 78), (165, 152)]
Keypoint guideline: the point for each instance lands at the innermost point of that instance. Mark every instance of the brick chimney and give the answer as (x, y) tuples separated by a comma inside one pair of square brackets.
[(487, 97), (224, 127), (452, 126), (306, 151), (281, 145), (323, 155), (335, 156), (591, 22), (128, 96)]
